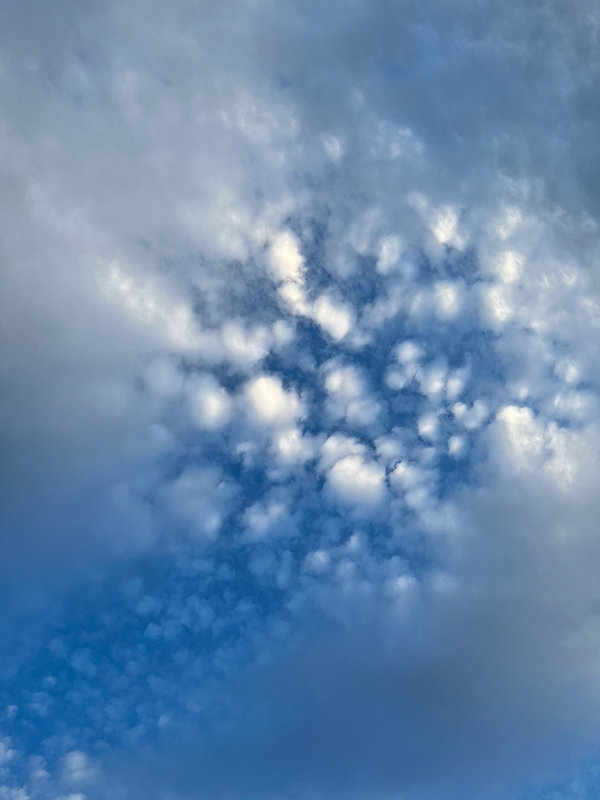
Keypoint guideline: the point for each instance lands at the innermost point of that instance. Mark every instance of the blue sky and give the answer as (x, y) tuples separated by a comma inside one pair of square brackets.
[(299, 401)]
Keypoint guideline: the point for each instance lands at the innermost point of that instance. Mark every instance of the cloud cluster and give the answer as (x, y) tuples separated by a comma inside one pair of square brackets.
[(299, 400)]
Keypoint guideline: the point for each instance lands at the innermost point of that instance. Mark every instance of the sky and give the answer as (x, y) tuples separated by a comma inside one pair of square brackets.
[(299, 400)]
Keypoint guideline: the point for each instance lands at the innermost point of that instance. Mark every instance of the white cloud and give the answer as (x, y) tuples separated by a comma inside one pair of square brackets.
[(472, 417), (449, 299), (349, 398), (285, 260), (294, 295), (432, 380), (270, 404), (498, 305), (407, 476), (261, 519), (210, 405), (292, 447), (390, 250), (335, 318), (78, 769), (150, 302), (318, 561), (409, 354), (355, 481), (456, 383), (6, 751), (198, 499), (428, 426), (396, 379), (456, 446), (333, 147), (338, 446), (243, 345), (444, 224), (520, 438), (389, 449), (509, 266)]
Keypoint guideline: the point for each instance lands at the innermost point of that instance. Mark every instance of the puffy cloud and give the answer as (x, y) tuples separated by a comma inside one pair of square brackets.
[(428, 426), (210, 405), (474, 416), (350, 398), (291, 446), (262, 518), (339, 446), (448, 299), (335, 318), (270, 404), (77, 769), (197, 499), (244, 346), (299, 387), (285, 259), (356, 481), (456, 446), (390, 250)]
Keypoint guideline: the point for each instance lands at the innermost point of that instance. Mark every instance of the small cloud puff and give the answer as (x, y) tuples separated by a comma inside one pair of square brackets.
[(291, 447), (427, 426), (245, 346), (268, 403), (457, 446), (198, 499), (472, 417), (349, 397), (353, 479), (389, 449), (209, 404), (333, 147), (415, 483), (287, 266), (285, 260), (77, 769), (335, 318), (356, 481), (410, 354), (390, 250), (338, 446), (432, 380), (448, 299), (266, 519), (406, 476), (317, 562)]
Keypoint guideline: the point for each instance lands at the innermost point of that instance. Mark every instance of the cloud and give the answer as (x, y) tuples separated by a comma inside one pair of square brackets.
[(270, 404), (352, 478), (285, 259), (333, 317), (210, 405), (350, 397), (299, 399), (197, 499)]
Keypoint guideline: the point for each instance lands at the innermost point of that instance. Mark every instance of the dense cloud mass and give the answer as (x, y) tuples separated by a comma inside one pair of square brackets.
[(299, 400)]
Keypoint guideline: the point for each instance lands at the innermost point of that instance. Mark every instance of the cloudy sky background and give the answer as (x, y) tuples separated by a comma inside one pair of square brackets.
[(299, 400)]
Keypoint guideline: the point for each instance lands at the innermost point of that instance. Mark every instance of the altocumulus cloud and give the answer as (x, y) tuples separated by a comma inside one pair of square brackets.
[(299, 400)]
